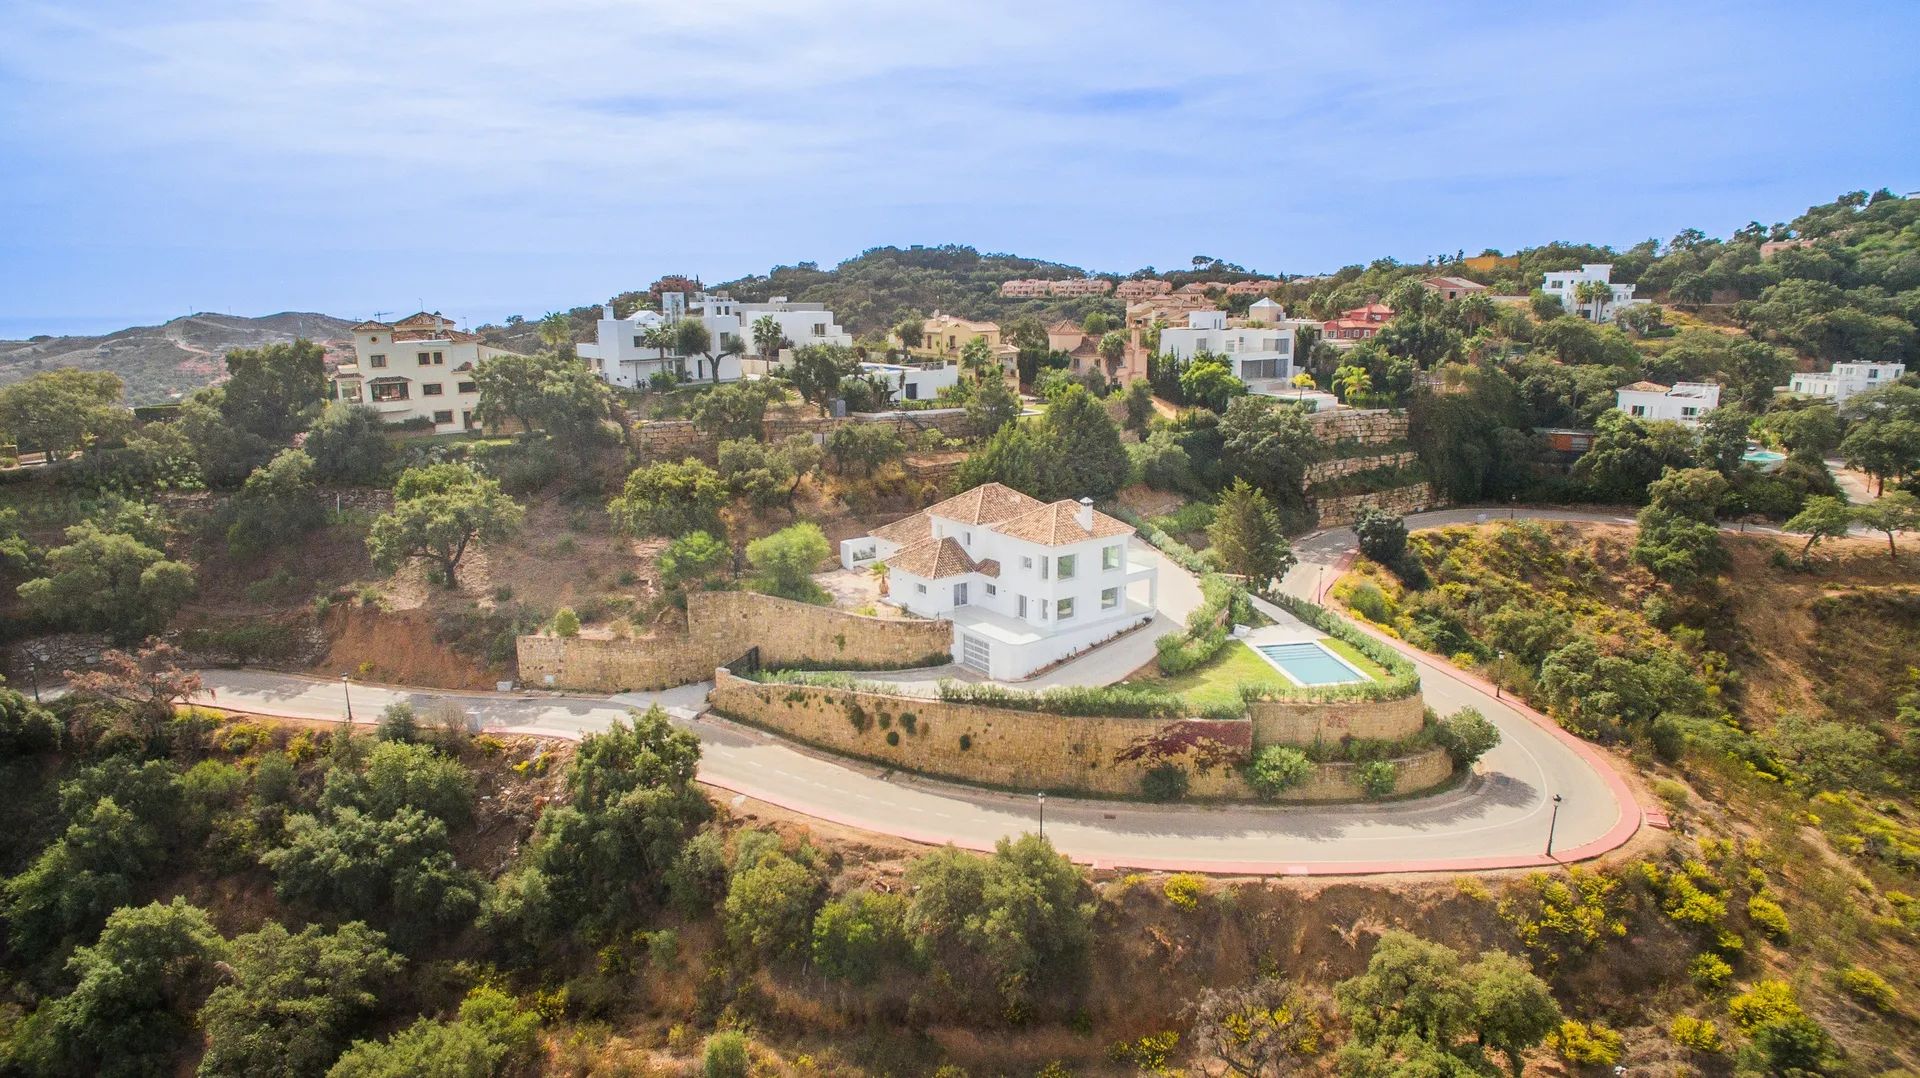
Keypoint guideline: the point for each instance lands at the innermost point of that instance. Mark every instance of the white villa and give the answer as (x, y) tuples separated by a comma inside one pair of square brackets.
[(419, 368), (1026, 583), (620, 355), (1846, 380), (1564, 286), (914, 381), (1260, 350), (1682, 402)]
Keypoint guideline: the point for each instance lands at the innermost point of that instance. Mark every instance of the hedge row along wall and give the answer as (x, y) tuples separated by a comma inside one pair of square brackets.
[(1027, 750), (721, 626)]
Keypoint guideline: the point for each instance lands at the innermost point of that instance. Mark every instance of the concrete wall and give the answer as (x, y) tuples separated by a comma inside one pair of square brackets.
[(721, 626), (1021, 750), (1286, 722), (1414, 499)]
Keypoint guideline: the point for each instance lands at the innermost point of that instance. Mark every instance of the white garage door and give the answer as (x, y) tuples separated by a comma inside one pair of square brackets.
[(974, 652)]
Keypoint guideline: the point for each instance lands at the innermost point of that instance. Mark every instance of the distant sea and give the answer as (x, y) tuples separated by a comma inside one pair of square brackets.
[(21, 327)]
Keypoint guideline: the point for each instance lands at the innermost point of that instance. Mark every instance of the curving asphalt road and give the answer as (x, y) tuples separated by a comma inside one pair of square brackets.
[(1498, 818)]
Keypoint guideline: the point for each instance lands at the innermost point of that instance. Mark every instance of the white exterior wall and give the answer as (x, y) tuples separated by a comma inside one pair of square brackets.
[(911, 383), (1563, 284), (451, 408), (1685, 403), (1241, 346), (615, 354), (1846, 380)]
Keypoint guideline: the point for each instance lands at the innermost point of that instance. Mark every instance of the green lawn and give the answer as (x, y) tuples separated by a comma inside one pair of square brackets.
[(1352, 654), (1218, 681)]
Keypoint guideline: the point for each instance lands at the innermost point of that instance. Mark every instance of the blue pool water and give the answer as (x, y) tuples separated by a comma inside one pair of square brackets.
[(1309, 663)]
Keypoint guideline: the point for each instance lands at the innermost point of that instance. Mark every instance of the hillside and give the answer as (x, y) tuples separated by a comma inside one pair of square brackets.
[(162, 362)]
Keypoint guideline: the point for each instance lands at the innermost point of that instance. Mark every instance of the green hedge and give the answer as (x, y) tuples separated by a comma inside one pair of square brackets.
[(1119, 701)]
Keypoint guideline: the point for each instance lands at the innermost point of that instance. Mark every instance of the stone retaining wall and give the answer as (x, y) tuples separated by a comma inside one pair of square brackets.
[(1288, 722), (1326, 470), (1401, 500), (1023, 750), (1375, 427), (721, 626)]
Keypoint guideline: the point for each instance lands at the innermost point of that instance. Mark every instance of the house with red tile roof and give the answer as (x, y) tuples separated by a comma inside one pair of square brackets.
[(1356, 324), (1025, 583)]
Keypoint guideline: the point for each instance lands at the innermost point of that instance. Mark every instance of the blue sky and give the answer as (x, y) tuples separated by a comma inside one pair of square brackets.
[(354, 156)]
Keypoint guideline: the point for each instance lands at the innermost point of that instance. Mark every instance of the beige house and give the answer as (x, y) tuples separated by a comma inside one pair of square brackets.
[(419, 368), (1142, 289), (946, 334)]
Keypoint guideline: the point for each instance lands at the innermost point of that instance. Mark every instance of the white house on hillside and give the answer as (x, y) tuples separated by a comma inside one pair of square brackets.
[(419, 368), (914, 381), (1564, 285), (1260, 351), (619, 355), (1682, 402), (1846, 379), (1026, 583)]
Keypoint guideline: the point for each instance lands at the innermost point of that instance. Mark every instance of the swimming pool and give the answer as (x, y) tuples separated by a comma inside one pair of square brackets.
[(1309, 662)]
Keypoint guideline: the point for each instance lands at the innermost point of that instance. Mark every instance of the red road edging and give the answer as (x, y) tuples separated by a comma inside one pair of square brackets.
[(1631, 812)]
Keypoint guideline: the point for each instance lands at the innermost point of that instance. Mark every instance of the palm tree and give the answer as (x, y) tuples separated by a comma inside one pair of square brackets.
[(1595, 293), (555, 329), (767, 336), (1354, 382)]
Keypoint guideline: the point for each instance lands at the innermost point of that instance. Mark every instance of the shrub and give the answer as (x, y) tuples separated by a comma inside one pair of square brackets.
[(1769, 918), (1710, 972), (1277, 769), (725, 1055), (566, 622), (1184, 890), (1587, 1044), (1371, 603), (1695, 1034), (1868, 987), (397, 723), (1768, 1001), (1467, 735), (1163, 782), (1377, 778)]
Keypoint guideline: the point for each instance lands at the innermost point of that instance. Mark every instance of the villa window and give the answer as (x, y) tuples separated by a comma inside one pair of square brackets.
[(1023, 606), (442, 417), (1109, 598), (377, 360), (424, 359), (467, 387), (439, 358), (920, 588), (391, 391), (819, 329), (1065, 562), (432, 389), (1063, 610), (1043, 610), (991, 590), (1111, 558), (636, 341), (1043, 567)]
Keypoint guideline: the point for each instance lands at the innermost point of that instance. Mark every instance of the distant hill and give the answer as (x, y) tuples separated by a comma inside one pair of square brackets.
[(872, 291), (161, 363)]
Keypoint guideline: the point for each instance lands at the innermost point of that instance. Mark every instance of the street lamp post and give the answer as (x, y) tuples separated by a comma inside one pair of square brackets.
[(1042, 795), (1553, 822), (1500, 665), (348, 693)]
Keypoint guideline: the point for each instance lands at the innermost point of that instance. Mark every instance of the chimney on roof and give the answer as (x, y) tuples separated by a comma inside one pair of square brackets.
[(609, 310), (1085, 514)]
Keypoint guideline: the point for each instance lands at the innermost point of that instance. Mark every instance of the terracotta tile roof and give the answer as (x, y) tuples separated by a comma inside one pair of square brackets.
[(1456, 282), (370, 324), (932, 559), (1058, 524), (1065, 326), (423, 320), (907, 530), (988, 503), (1647, 387), (442, 334), (989, 567)]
